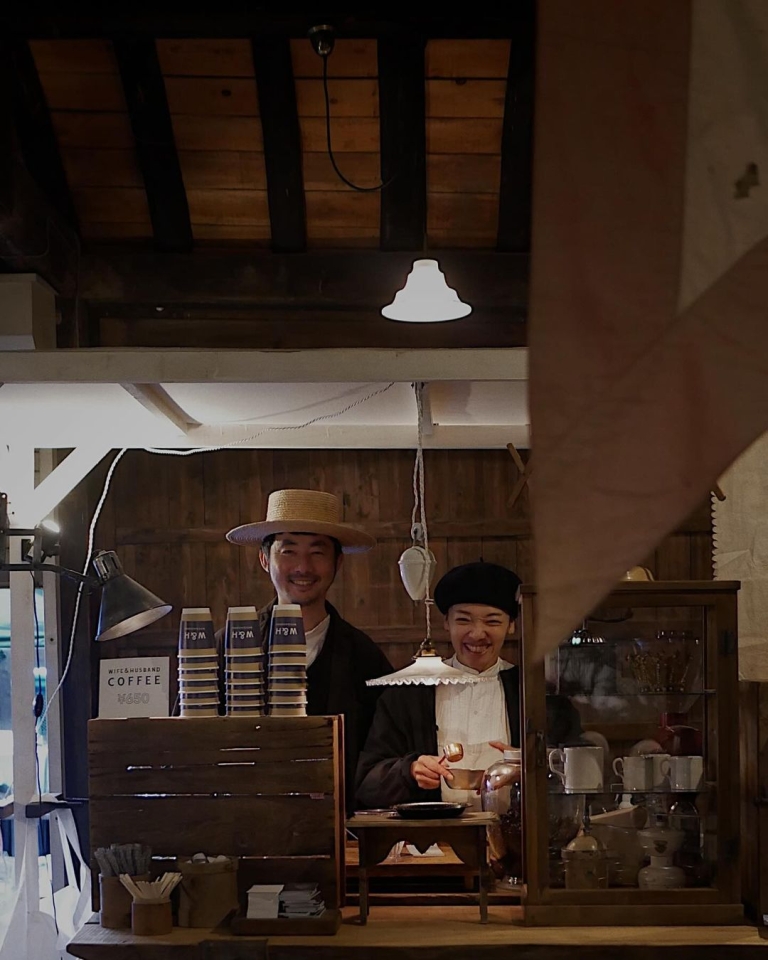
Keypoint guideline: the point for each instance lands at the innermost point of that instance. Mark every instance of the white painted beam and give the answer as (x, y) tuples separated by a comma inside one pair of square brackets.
[(353, 436), (153, 398), (47, 495), (262, 366)]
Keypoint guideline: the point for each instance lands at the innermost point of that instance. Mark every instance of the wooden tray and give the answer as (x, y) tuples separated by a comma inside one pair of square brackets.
[(327, 925)]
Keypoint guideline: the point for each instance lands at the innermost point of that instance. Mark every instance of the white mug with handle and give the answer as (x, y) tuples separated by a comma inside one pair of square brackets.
[(579, 768), (642, 773)]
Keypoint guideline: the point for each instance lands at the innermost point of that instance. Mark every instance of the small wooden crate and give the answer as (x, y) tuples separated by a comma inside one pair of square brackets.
[(267, 790)]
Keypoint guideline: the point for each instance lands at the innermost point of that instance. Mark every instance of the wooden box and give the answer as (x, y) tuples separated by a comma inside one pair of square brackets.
[(267, 790)]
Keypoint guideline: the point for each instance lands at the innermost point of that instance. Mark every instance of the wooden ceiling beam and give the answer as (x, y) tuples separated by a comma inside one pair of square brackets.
[(158, 159), (241, 20), (403, 142), (514, 228), (349, 280), (34, 236), (282, 143), (36, 136)]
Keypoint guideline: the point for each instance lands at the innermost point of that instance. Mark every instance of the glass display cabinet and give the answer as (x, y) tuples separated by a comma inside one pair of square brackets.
[(631, 761)]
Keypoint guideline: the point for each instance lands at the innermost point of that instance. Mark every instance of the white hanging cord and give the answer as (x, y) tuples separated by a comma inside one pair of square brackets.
[(86, 565), (419, 528)]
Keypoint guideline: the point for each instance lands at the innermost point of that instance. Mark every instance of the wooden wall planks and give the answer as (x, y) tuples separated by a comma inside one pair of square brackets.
[(167, 517)]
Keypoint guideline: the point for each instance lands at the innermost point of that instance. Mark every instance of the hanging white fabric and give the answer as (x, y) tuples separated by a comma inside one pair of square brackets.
[(32, 932)]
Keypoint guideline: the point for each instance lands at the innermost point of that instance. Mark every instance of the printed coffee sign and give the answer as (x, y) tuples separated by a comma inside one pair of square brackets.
[(134, 687)]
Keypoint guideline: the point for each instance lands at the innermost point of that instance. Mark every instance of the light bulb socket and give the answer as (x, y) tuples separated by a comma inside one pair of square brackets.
[(322, 38)]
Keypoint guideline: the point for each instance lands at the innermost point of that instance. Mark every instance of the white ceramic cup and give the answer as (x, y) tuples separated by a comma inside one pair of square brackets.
[(579, 768), (646, 772), (685, 773)]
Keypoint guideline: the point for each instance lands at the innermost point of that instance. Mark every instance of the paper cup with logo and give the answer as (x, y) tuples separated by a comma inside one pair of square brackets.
[(196, 636), (241, 633)]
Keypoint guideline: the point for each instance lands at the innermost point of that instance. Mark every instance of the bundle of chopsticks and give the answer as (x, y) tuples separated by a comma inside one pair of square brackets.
[(154, 890), (118, 858)]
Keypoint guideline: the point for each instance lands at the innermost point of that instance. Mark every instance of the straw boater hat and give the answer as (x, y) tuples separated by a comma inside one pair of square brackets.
[(304, 511)]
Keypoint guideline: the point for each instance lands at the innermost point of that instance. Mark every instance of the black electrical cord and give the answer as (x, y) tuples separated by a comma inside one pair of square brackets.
[(339, 174), (39, 706)]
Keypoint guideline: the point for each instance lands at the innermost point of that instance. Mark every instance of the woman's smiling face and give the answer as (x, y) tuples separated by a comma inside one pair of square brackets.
[(478, 633)]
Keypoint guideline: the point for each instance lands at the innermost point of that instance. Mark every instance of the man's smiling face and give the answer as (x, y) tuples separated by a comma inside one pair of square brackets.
[(301, 566), (478, 633)]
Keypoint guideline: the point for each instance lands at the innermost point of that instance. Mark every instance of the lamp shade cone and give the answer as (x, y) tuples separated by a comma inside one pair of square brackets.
[(126, 606), (417, 565), (427, 671), (426, 297)]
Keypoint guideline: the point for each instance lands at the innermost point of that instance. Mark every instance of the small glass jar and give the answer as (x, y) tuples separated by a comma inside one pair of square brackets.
[(501, 793), (586, 864)]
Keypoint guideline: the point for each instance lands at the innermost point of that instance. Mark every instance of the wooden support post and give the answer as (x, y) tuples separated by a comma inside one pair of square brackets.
[(514, 230), (282, 143), (403, 142), (147, 103)]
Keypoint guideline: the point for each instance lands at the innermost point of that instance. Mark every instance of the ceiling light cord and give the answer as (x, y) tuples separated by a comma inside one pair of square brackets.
[(419, 515), (339, 174)]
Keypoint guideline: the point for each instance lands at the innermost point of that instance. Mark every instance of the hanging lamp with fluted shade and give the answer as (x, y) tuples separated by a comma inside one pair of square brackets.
[(426, 297), (417, 565)]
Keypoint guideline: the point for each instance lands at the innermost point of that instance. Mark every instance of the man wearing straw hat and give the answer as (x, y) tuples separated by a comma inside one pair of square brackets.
[(302, 546)]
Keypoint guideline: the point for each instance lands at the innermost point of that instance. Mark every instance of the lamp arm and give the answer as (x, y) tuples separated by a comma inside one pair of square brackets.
[(90, 582)]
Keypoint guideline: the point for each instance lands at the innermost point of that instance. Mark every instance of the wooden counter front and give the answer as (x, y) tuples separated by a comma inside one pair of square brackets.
[(453, 933)]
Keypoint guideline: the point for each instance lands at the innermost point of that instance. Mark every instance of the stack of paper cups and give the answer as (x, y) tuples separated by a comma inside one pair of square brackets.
[(244, 663), (287, 662), (198, 664)]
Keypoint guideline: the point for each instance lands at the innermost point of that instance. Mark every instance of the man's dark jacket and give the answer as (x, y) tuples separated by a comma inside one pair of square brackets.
[(336, 683), (405, 728)]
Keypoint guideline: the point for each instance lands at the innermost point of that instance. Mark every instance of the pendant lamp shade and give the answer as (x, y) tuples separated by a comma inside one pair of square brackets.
[(426, 297), (125, 605), (427, 670)]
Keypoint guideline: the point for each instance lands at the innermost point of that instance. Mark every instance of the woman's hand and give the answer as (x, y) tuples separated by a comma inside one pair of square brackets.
[(427, 771), (500, 745)]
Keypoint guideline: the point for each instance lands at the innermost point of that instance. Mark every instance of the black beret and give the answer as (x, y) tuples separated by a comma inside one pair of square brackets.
[(486, 583)]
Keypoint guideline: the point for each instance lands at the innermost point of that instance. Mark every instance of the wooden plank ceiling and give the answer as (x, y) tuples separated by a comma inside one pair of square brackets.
[(107, 102)]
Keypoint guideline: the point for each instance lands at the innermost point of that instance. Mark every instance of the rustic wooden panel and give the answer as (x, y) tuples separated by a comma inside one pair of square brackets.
[(205, 58), (180, 547), (79, 91), (461, 217), (349, 135), (225, 96), (361, 168), (115, 231), (112, 130), (457, 173), (101, 168), (347, 209), (465, 98), (228, 207), (111, 204), (450, 135), (350, 58), (468, 58), (63, 56), (235, 170), (348, 98), (241, 778), (217, 133), (243, 826)]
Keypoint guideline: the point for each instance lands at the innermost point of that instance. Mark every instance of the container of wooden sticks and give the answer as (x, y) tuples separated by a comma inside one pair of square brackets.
[(151, 914)]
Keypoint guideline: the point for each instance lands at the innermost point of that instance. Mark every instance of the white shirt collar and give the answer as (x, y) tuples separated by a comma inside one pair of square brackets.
[(492, 671)]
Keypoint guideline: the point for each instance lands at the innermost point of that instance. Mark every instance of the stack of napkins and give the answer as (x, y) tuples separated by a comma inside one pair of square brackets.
[(264, 901), (301, 900)]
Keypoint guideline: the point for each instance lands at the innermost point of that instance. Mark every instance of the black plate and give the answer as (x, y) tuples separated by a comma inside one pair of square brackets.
[(433, 810)]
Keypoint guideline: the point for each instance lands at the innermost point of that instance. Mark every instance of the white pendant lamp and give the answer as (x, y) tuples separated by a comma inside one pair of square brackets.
[(426, 297)]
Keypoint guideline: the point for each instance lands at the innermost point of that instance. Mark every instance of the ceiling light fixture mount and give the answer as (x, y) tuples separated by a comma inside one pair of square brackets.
[(426, 297)]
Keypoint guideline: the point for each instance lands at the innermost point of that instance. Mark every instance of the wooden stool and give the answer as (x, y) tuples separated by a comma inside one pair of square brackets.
[(466, 835)]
